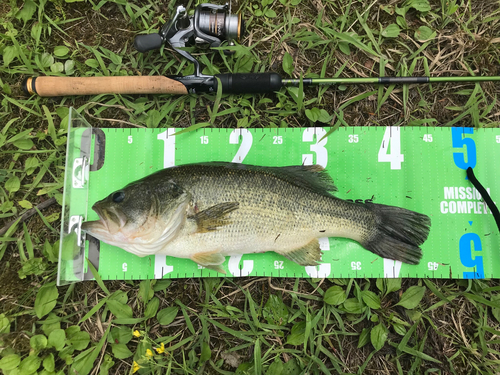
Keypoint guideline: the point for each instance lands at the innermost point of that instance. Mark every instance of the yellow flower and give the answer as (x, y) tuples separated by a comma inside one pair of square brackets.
[(137, 333), (135, 367), (161, 349), (149, 353)]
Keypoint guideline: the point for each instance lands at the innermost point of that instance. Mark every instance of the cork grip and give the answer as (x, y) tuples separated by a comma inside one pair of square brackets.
[(62, 86)]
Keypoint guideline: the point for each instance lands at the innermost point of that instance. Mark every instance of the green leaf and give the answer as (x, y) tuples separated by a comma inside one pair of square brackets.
[(47, 60), (424, 34), (57, 339), (153, 120), (38, 342), (10, 362), (51, 323), (364, 337), (353, 306), (399, 329), (120, 310), (167, 316), (146, 291), (57, 67), (69, 67), (97, 277), (335, 295), (161, 285), (25, 14), (80, 340), (9, 54), (25, 204), (412, 297), (344, 48), (494, 310), (121, 351), (388, 9), (84, 362), (276, 368), (371, 299), (275, 311), (93, 63), (414, 315), (36, 31), (392, 285), (4, 324), (206, 353), (391, 31), (378, 336), (61, 51), (152, 307), (288, 63), (324, 116), (270, 13), (30, 365), (402, 22), (46, 300), (121, 335), (13, 184), (297, 334), (49, 363), (420, 5), (107, 363), (313, 114)]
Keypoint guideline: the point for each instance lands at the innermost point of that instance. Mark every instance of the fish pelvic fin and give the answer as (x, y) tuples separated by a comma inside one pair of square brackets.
[(214, 217), (211, 260), (308, 255), (398, 233)]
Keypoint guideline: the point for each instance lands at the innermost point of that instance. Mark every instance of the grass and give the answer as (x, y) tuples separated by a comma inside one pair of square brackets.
[(236, 326)]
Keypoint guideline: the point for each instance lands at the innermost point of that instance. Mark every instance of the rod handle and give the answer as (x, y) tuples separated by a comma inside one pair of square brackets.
[(250, 83), (63, 86)]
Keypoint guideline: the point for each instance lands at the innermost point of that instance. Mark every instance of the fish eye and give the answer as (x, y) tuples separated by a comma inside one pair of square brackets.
[(118, 197)]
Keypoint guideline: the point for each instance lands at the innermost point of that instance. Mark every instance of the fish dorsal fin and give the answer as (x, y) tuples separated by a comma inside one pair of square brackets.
[(311, 177), (213, 217), (308, 255)]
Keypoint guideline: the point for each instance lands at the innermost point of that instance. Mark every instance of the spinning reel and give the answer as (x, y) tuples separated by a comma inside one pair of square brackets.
[(211, 24)]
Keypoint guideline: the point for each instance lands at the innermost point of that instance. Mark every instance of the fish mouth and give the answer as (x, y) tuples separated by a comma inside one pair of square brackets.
[(110, 221), (96, 226)]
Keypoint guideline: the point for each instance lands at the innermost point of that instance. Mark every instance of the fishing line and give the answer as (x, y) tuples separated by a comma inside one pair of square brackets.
[(484, 194)]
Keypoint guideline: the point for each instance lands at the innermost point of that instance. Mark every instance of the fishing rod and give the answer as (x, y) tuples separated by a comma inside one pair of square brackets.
[(214, 25)]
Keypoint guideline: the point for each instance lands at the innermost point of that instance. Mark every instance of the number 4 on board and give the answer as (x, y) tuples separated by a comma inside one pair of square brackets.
[(390, 149)]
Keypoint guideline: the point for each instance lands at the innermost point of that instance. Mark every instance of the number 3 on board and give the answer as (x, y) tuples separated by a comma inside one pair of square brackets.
[(390, 149)]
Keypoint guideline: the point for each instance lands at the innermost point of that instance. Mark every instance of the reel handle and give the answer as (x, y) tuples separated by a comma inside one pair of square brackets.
[(62, 86), (148, 42)]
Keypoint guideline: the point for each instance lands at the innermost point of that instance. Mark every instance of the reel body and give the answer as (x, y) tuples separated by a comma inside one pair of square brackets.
[(211, 24)]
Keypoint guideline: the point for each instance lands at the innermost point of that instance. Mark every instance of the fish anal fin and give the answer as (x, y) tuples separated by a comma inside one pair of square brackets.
[(211, 260), (214, 217), (308, 255)]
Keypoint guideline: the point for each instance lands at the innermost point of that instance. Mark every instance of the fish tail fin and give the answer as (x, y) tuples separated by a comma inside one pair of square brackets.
[(398, 233)]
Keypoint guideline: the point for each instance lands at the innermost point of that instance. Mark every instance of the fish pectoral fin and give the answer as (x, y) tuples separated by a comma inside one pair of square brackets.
[(308, 255), (211, 260), (214, 217)]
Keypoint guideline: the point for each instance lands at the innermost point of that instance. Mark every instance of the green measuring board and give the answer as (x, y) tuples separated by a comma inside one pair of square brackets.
[(418, 168)]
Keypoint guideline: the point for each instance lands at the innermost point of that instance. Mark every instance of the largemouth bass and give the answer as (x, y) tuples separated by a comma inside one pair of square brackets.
[(207, 211)]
